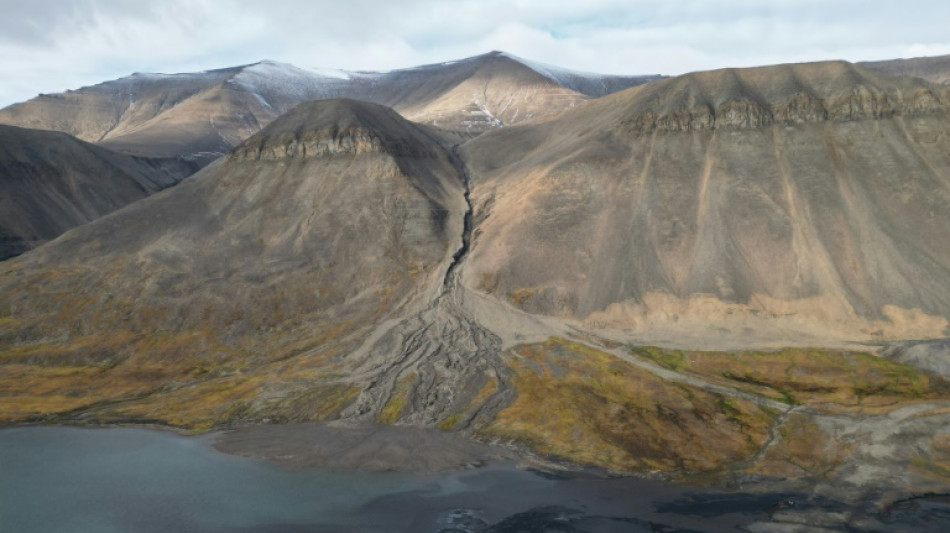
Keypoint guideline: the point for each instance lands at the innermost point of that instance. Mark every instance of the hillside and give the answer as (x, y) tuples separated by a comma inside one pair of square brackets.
[(331, 218), (779, 203), (51, 182)]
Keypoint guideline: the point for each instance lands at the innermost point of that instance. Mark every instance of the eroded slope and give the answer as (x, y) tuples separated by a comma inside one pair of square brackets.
[(774, 204)]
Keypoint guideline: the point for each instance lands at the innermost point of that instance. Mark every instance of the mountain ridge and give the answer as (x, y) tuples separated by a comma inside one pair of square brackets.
[(935, 69), (786, 94), (333, 126), (203, 115)]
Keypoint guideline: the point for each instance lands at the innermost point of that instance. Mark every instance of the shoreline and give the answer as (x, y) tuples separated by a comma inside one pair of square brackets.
[(275, 444), (361, 447), (347, 446), (434, 456)]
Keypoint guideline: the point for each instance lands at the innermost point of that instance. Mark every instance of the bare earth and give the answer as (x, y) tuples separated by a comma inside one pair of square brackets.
[(365, 447)]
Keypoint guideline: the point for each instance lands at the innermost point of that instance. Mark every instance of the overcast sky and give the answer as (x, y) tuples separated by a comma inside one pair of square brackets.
[(54, 45)]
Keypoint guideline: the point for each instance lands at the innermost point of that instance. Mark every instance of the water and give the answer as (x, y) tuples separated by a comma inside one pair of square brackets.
[(128, 480)]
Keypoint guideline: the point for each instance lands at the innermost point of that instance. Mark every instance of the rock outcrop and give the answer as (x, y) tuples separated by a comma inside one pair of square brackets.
[(782, 95), (337, 127)]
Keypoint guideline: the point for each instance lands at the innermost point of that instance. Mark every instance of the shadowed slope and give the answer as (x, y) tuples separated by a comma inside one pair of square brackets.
[(51, 182), (804, 199)]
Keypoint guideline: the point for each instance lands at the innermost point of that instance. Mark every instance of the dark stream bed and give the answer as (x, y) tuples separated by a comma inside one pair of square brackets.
[(125, 480)]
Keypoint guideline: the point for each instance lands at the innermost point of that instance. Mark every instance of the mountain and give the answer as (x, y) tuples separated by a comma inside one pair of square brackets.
[(284, 253), (201, 116), (198, 116), (472, 95), (935, 69), (692, 278), (784, 202), (51, 182)]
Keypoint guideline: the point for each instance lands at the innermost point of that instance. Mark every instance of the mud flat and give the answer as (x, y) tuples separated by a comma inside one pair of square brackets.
[(362, 447)]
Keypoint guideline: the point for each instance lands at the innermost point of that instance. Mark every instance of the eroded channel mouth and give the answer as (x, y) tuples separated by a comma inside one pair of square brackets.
[(459, 254)]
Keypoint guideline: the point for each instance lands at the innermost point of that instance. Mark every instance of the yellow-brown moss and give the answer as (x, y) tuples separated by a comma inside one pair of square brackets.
[(522, 296), (234, 399), (450, 422), (29, 391), (52, 377), (802, 449), (854, 380), (393, 409), (196, 407), (584, 405), (935, 461), (488, 282)]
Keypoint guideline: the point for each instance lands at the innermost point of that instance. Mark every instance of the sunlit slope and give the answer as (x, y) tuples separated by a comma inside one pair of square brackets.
[(804, 199)]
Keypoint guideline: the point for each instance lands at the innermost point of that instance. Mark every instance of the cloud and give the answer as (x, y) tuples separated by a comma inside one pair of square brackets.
[(50, 46)]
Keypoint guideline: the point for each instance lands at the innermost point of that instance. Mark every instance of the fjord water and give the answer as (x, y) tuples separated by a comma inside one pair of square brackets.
[(131, 480), (123, 480), (136, 480)]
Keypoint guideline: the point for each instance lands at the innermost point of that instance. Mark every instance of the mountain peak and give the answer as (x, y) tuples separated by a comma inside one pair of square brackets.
[(587, 83), (336, 126)]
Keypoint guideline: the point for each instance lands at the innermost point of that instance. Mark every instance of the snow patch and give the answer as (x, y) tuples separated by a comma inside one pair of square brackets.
[(561, 75), (330, 73), (279, 86)]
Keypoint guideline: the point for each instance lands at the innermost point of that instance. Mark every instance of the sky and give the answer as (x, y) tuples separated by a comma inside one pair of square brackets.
[(50, 46)]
